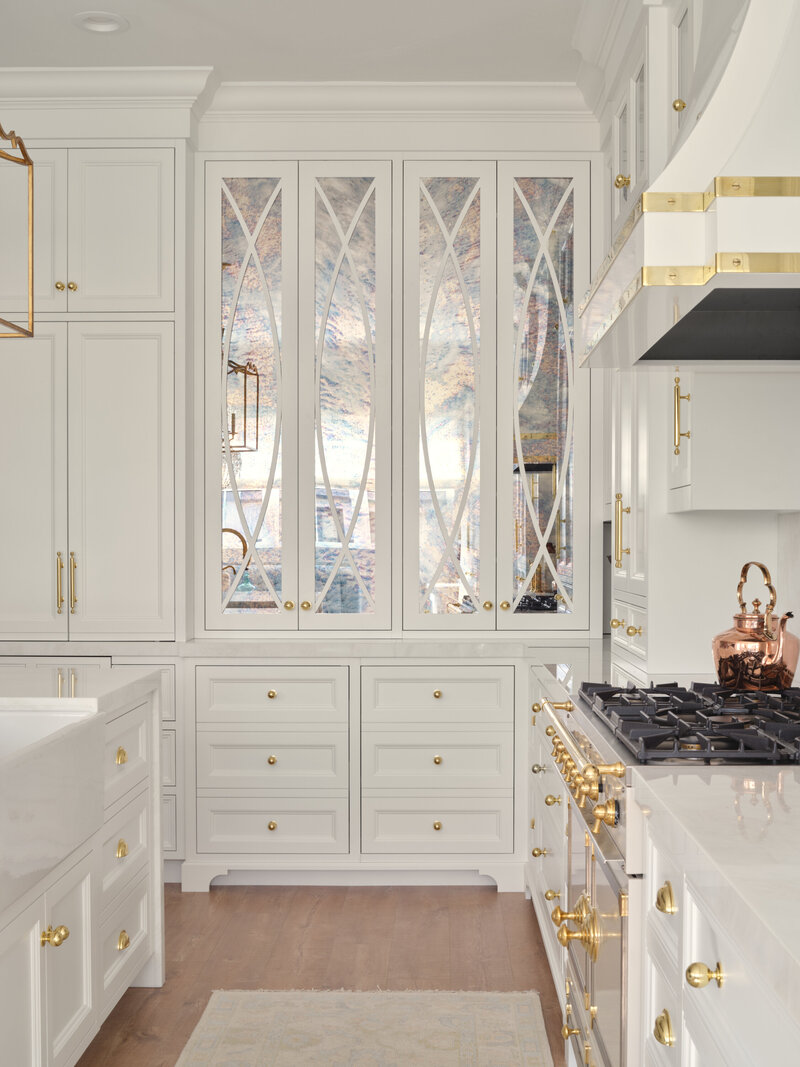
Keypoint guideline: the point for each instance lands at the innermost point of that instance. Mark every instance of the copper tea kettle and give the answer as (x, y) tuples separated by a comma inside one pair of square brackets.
[(759, 652)]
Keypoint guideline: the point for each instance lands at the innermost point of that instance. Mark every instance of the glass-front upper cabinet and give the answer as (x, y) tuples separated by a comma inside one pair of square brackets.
[(297, 377)]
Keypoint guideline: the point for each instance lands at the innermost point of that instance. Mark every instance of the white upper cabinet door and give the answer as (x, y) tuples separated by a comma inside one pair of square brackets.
[(450, 370), (542, 400), (121, 230), (251, 396), (33, 485), (345, 396), (121, 481)]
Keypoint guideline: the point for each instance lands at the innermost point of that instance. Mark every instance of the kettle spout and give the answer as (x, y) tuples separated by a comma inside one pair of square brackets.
[(776, 655)]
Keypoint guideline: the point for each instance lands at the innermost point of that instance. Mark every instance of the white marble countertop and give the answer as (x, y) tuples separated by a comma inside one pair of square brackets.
[(81, 688)]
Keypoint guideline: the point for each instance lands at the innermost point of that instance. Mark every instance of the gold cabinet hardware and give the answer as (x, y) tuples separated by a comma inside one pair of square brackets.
[(550, 800), (552, 894), (634, 631), (73, 681), (272, 694), (123, 941), (437, 825), (121, 756), (662, 1031), (567, 1031), (588, 934), (622, 180), (550, 731), (533, 824), (487, 605), (437, 693), (607, 813), (536, 708), (272, 825), (504, 605), (619, 511), (60, 685), (676, 416), (289, 605), (564, 705), (665, 899), (698, 975), (272, 760), (558, 916), (592, 771), (122, 848), (72, 286), (306, 605), (616, 623), (537, 852), (537, 768), (73, 566), (678, 105), (54, 937), (60, 286), (437, 760), (59, 583)]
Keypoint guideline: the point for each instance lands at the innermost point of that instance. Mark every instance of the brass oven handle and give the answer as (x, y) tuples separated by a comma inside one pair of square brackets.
[(662, 1031), (619, 510), (676, 412), (59, 583), (73, 566)]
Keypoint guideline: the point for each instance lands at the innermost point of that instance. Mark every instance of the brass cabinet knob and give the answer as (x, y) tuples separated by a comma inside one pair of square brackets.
[(272, 694), (272, 825), (60, 286), (505, 605), (662, 1031), (437, 760), (665, 899), (567, 1031), (306, 605), (550, 800), (289, 605), (698, 975), (72, 286), (678, 105), (616, 623), (122, 848), (437, 693), (536, 708), (537, 768), (54, 937), (633, 631), (552, 894), (487, 605), (621, 181), (272, 760), (121, 756), (550, 731), (537, 852), (437, 826), (123, 941)]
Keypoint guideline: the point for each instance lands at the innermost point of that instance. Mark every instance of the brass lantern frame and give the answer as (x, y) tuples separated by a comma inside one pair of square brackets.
[(23, 160)]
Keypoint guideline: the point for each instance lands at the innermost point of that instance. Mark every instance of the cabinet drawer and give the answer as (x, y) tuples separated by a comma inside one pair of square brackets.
[(272, 759), (409, 824), (626, 636), (169, 761), (438, 759), (127, 752), (300, 694), (664, 899), (409, 695), (662, 1020), (300, 824), (125, 943), (124, 850)]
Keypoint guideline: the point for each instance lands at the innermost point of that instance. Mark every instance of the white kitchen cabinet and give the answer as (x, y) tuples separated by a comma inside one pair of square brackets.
[(22, 1001), (630, 133), (88, 551), (104, 236)]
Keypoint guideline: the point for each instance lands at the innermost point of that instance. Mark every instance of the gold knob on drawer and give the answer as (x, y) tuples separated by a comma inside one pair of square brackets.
[(536, 708), (622, 180), (662, 1031), (54, 937), (698, 975), (550, 800), (537, 768), (505, 605), (665, 899), (272, 826), (552, 894), (437, 693), (272, 760), (122, 848), (550, 731), (121, 756), (437, 760), (634, 631), (306, 605), (487, 605), (678, 105), (123, 941), (437, 826), (72, 286), (537, 852), (616, 623), (272, 694), (60, 286), (567, 1031), (289, 605)]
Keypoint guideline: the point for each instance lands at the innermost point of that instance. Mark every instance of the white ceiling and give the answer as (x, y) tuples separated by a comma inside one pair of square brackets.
[(308, 40)]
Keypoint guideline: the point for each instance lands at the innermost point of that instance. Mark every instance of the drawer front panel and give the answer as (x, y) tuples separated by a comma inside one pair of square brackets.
[(125, 942), (125, 848), (235, 825), (662, 1016), (169, 823), (466, 694), (408, 824), (273, 759), (301, 694), (127, 752), (169, 758), (438, 759)]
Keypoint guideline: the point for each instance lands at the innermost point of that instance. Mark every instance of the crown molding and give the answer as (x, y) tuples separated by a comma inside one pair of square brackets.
[(60, 88)]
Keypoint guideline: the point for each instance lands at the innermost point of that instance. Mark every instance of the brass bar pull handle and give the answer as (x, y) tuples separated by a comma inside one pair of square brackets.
[(676, 408), (73, 566), (619, 510), (59, 583)]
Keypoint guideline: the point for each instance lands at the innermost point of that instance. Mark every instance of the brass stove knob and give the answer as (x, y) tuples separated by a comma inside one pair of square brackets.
[(607, 813), (558, 916), (567, 1031)]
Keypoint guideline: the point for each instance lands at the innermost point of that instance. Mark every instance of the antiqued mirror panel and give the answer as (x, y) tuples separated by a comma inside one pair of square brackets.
[(541, 448), (449, 395), (252, 393)]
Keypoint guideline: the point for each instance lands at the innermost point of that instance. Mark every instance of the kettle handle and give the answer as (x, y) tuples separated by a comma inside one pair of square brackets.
[(767, 583)]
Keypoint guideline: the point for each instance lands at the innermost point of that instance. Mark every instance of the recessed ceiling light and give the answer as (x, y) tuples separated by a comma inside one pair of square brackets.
[(101, 21)]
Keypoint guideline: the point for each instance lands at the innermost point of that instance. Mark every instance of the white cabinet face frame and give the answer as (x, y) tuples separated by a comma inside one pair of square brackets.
[(22, 966), (681, 62), (449, 413), (630, 135), (543, 424)]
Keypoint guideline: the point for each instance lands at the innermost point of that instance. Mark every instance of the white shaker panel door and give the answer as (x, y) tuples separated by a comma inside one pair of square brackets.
[(21, 977), (121, 480), (49, 234), (121, 230), (33, 484)]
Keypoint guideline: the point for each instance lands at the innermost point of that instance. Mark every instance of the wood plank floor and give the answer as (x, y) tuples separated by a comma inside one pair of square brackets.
[(303, 937)]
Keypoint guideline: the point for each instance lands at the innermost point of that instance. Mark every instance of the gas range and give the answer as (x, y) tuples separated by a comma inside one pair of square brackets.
[(704, 723)]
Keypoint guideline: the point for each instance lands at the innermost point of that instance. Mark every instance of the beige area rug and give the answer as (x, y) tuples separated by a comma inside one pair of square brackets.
[(381, 1029)]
